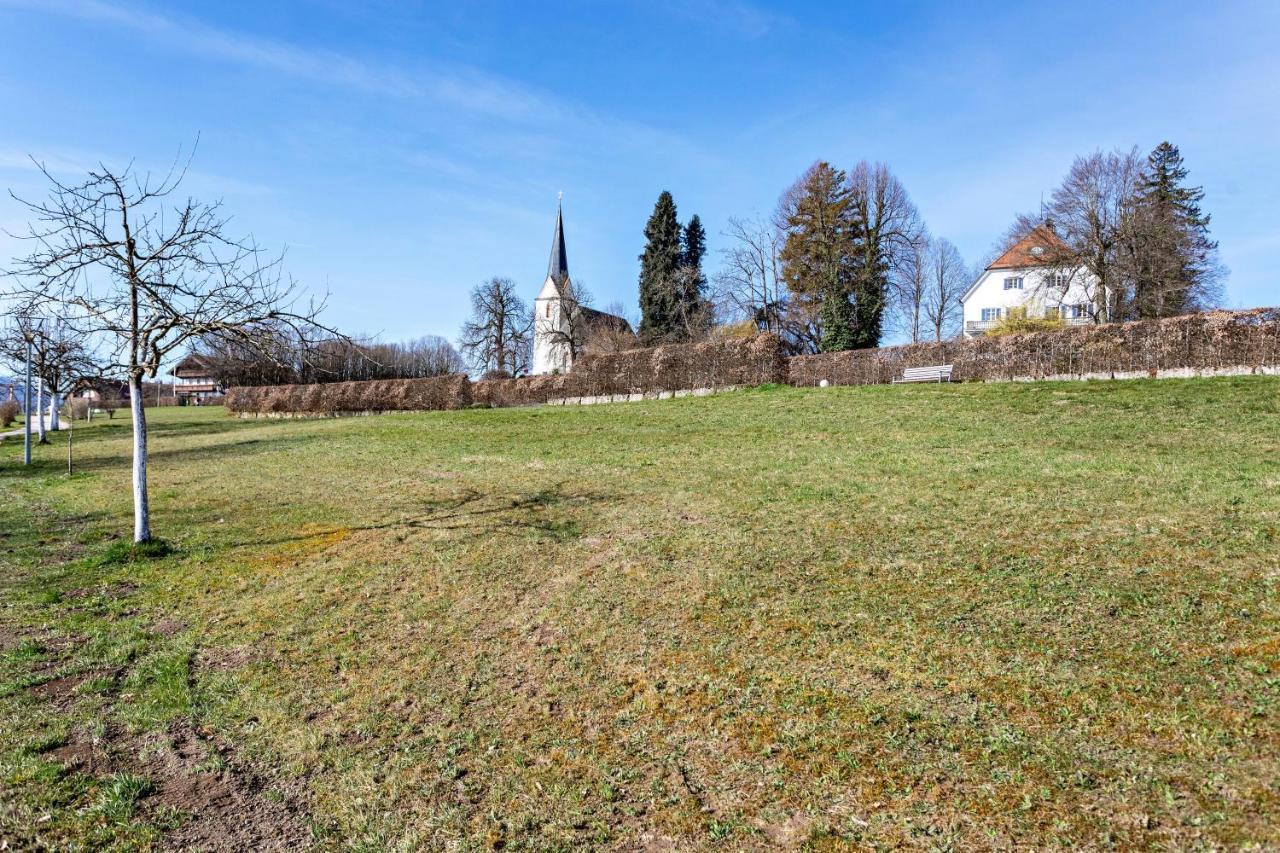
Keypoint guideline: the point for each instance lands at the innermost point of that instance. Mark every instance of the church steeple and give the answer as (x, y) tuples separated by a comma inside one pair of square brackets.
[(558, 267)]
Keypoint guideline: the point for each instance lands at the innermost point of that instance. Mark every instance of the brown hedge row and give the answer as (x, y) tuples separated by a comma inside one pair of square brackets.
[(527, 390), (710, 364), (379, 395), (1196, 343)]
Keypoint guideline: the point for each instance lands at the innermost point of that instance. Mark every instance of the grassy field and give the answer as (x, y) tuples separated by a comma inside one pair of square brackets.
[(945, 617)]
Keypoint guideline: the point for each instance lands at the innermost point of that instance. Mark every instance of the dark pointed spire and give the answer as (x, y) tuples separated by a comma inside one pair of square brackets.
[(558, 268)]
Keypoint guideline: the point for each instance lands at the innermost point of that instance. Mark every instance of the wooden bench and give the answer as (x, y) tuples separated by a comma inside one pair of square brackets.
[(938, 373)]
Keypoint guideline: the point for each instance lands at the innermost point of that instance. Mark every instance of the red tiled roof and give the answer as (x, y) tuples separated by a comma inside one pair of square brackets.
[(1023, 254)]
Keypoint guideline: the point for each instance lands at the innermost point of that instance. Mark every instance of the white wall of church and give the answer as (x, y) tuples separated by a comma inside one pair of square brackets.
[(549, 354)]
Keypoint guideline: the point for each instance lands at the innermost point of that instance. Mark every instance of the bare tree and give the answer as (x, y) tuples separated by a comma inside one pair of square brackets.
[(908, 284), (946, 280), (617, 333), (60, 360), (337, 359), (749, 285), (118, 262), (496, 338), (887, 232), (1090, 214)]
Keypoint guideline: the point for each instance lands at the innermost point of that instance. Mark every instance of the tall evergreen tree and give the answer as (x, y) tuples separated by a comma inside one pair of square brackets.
[(695, 244), (1174, 261), (693, 307), (817, 254), (659, 270)]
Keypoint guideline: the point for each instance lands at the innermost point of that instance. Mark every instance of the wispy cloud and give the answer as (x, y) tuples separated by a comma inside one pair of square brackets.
[(466, 89), (733, 16)]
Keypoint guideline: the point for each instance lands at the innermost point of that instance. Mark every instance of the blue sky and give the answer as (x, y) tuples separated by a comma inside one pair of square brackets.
[(403, 152)]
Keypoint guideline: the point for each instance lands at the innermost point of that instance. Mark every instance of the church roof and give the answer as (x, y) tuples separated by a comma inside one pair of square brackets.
[(558, 266), (597, 320)]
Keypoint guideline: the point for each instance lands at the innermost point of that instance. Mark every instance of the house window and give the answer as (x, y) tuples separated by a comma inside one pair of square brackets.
[(548, 309), (990, 315), (1060, 280), (1077, 311), (1013, 282)]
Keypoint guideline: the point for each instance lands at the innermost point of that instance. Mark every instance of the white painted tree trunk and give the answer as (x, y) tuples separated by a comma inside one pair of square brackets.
[(55, 403), (141, 510), (40, 411)]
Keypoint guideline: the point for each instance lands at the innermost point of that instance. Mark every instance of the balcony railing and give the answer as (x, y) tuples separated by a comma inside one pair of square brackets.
[(984, 325)]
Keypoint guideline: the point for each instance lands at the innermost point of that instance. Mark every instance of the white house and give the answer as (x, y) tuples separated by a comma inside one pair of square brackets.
[(1027, 278), (560, 324)]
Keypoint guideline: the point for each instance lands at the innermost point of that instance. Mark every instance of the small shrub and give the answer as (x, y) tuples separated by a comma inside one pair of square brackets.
[(9, 411), (1017, 321)]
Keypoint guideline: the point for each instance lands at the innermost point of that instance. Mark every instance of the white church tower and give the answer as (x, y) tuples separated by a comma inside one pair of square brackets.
[(550, 325)]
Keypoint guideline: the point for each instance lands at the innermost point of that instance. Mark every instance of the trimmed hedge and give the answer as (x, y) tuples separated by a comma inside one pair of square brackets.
[(678, 367), (378, 395), (1218, 341), (525, 391)]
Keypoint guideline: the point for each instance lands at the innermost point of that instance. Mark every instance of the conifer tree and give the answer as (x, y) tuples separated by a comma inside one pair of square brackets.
[(1174, 261), (659, 269), (693, 307), (695, 244), (818, 251)]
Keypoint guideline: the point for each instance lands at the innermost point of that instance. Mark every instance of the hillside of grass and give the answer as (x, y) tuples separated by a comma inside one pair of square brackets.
[(956, 616)]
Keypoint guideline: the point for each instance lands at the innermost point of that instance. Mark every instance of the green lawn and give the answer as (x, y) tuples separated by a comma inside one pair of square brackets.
[(1002, 614)]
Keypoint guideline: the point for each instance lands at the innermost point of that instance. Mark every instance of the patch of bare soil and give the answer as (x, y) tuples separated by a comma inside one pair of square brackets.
[(230, 808), (167, 627), (226, 806), (59, 692)]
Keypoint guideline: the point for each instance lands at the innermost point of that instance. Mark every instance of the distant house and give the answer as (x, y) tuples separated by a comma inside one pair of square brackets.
[(560, 324), (102, 389), (193, 380), (1029, 277)]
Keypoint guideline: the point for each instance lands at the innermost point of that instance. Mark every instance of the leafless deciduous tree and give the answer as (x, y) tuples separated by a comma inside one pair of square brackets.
[(336, 359), (496, 340), (946, 280), (615, 336), (1089, 212), (749, 285), (888, 230), (117, 259), (908, 284), (60, 360)]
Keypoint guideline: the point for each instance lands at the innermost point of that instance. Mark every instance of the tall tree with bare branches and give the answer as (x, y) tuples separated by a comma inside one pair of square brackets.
[(496, 338), (749, 285), (887, 231), (121, 257), (945, 282)]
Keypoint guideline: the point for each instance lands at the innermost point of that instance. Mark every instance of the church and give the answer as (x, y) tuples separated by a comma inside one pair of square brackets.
[(563, 327)]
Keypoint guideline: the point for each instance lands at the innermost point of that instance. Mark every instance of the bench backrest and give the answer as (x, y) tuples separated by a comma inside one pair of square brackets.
[(927, 372)]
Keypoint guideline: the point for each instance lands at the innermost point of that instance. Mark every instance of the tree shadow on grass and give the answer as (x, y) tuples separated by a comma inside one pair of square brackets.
[(479, 514)]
